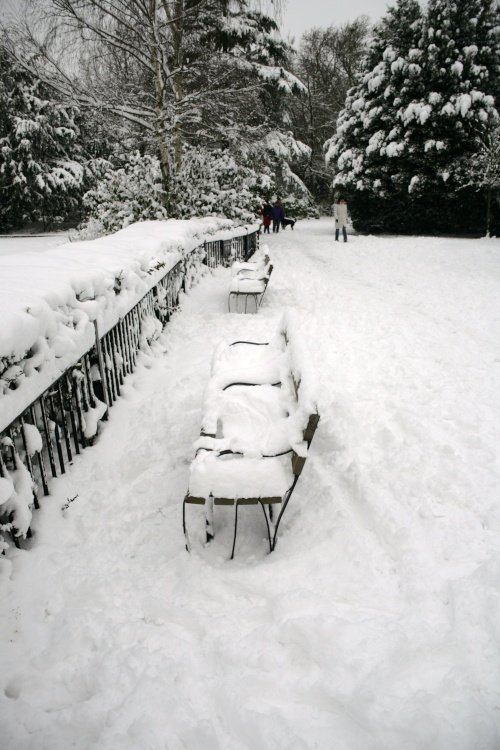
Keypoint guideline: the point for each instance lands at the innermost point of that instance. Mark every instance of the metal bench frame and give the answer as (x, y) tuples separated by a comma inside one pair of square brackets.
[(257, 296), (297, 461)]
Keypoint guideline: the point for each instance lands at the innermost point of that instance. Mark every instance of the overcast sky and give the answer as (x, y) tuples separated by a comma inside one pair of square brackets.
[(301, 15)]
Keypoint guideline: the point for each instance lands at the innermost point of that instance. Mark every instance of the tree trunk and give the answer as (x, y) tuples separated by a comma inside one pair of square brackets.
[(177, 82), (165, 167), (488, 210), (312, 138), (160, 129)]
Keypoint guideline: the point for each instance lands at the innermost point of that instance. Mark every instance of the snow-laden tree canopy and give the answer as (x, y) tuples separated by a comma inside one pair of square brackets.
[(41, 163), (429, 85), (168, 90)]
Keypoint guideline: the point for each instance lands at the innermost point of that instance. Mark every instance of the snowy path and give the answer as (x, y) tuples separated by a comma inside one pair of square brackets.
[(376, 623)]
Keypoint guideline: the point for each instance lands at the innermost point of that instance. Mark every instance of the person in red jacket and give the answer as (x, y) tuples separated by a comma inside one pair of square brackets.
[(266, 212)]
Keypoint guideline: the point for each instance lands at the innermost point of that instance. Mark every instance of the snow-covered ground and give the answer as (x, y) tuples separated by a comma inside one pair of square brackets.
[(376, 623), (15, 244)]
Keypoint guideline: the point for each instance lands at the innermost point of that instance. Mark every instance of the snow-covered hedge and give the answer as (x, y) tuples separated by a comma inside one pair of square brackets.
[(49, 302), (123, 195), (209, 183), (213, 183)]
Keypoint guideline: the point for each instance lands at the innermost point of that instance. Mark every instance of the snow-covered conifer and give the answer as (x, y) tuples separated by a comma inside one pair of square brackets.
[(481, 171), (462, 43), (462, 46), (428, 91), (41, 174), (372, 149)]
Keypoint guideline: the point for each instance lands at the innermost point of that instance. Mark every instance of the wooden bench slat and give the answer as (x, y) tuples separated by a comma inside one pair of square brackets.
[(231, 501)]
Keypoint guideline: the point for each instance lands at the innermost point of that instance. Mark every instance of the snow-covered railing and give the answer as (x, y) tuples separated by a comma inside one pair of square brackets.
[(73, 322)]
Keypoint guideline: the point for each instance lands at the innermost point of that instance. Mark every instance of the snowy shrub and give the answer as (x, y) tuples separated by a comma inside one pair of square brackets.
[(284, 153), (212, 183), (299, 206), (127, 192), (220, 184), (208, 183)]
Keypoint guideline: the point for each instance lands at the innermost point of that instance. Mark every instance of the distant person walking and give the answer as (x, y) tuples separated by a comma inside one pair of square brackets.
[(278, 215), (340, 214), (267, 212)]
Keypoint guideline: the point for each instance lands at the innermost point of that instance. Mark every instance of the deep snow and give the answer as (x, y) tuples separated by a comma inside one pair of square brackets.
[(375, 625)]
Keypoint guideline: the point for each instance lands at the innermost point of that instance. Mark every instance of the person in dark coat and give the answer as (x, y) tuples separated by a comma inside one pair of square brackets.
[(278, 214)]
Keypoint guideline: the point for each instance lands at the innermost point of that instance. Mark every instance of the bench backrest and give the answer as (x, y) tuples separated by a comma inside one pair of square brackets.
[(299, 461), (303, 383)]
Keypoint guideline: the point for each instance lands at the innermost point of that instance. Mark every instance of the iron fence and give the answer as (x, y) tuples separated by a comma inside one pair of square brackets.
[(67, 412)]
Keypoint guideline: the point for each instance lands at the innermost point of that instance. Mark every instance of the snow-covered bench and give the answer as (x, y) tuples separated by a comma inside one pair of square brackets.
[(259, 418), (250, 280)]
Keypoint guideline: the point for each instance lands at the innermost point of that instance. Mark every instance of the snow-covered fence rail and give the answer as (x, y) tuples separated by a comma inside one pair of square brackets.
[(51, 402)]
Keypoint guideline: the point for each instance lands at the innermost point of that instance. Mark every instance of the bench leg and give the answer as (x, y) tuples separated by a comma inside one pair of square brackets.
[(236, 504), (267, 524), (209, 518), (184, 526), (283, 508)]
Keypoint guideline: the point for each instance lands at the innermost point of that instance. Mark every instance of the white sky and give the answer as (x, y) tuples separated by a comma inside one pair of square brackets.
[(298, 15), (301, 15)]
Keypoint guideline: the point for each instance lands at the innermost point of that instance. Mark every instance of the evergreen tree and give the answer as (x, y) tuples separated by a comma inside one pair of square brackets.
[(415, 115), (462, 42), (373, 145), (482, 170), (240, 48), (41, 175)]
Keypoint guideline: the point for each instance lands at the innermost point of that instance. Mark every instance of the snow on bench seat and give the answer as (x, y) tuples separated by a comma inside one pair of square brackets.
[(249, 362), (250, 420), (264, 479), (259, 263), (241, 285)]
